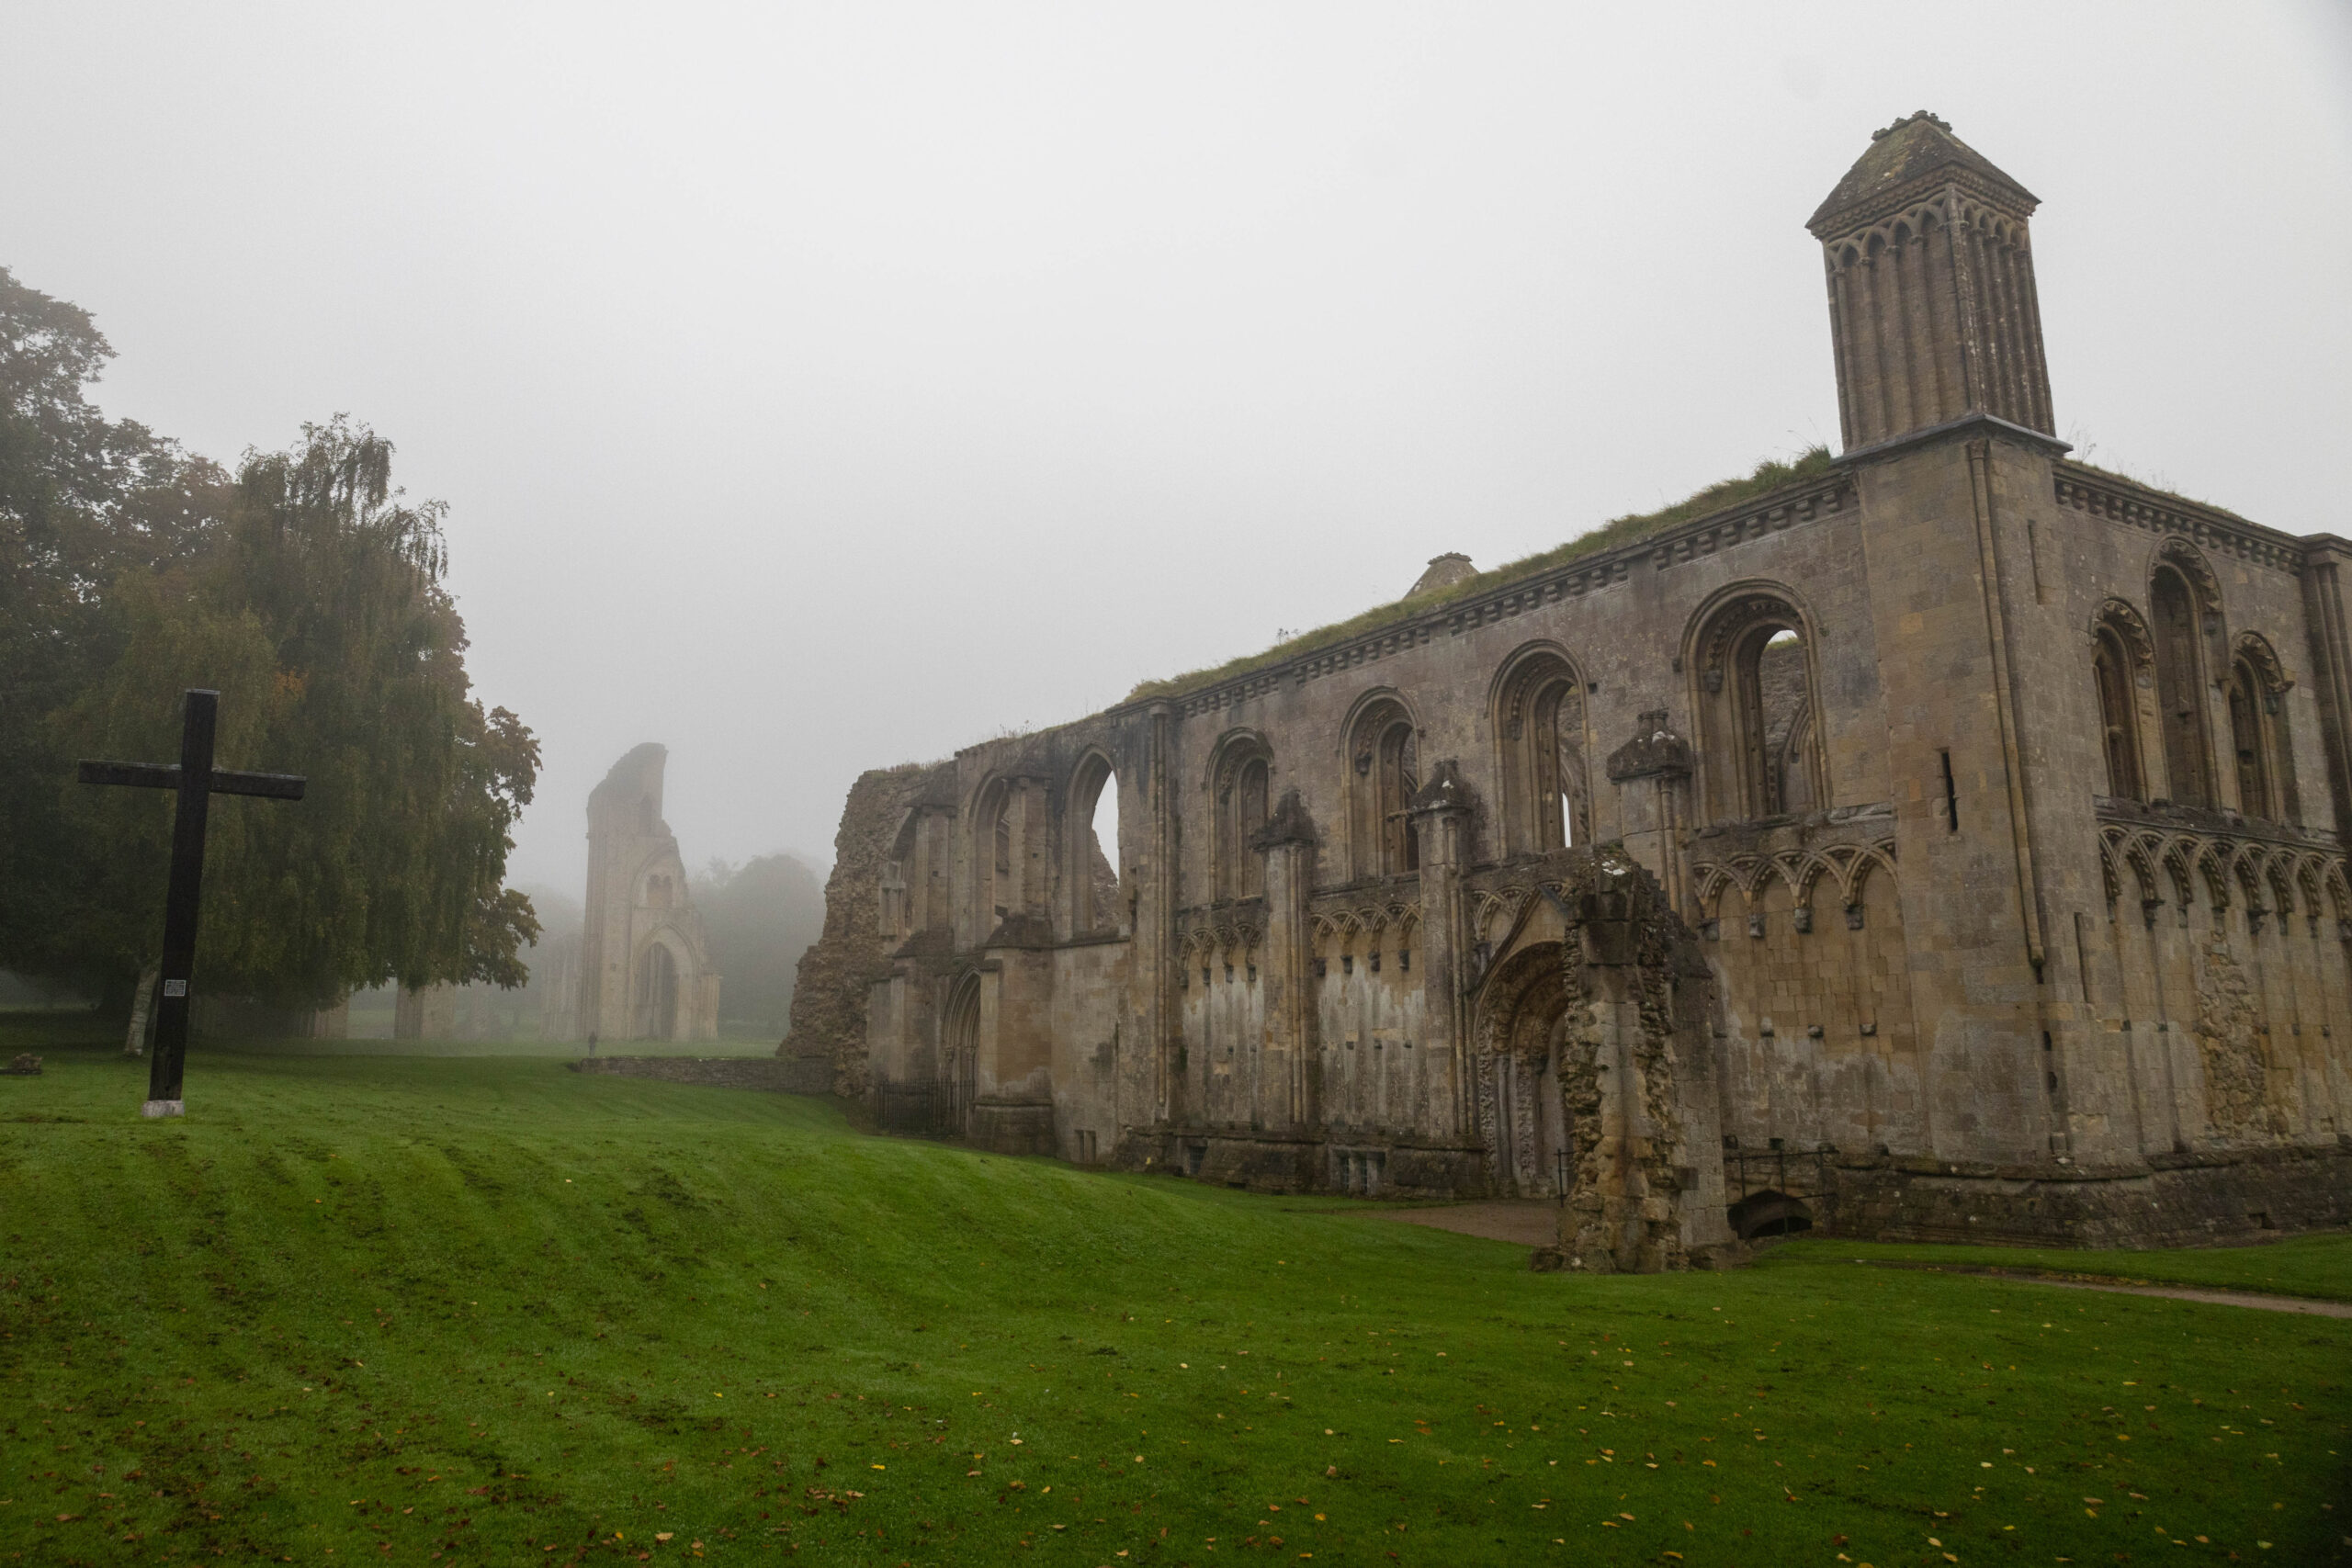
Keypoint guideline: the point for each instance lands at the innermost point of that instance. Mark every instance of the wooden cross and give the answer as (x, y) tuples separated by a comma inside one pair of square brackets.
[(196, 781)]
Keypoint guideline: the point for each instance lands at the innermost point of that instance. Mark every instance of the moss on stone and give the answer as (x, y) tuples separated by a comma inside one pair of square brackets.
[(1768, 476)]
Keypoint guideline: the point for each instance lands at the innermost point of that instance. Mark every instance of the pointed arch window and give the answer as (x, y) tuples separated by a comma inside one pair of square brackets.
[(1091, 865), (1001, 854)]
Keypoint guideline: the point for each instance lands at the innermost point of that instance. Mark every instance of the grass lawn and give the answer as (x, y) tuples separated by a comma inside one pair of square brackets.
[(478, 1310)]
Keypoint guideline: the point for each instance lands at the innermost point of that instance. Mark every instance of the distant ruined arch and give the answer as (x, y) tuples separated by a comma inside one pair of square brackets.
[(645, 966)]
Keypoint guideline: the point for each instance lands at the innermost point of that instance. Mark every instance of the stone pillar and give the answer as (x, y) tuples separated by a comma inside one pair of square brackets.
[(1441, 819), (2331, 662), (1288, 843), (1155, 946), (1652, 772), (1639, 1078)]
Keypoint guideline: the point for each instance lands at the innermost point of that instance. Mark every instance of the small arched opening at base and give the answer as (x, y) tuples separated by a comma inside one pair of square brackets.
[(1768, 1212)]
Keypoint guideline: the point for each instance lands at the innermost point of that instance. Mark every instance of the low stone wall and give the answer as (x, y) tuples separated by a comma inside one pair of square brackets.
[(2174, 1201), (1305, 1162), (780, 1074), (1014, 1127)]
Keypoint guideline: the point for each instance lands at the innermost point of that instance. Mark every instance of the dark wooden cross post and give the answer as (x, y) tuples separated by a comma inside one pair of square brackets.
[(196, 781)]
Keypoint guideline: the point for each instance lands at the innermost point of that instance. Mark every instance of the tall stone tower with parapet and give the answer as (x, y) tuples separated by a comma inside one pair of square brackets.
[(645, 970), (1944, 397)]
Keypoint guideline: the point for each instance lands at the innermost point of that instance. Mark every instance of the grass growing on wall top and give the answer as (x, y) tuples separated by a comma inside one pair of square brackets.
[(423, 1311), (1768, 476)]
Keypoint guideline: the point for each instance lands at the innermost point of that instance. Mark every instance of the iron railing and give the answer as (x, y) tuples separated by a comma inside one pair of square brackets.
[(1767, 1170)]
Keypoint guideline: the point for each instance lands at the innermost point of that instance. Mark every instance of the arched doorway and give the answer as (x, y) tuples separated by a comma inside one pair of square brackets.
[(1522, 1114), (657, 995), (960, 1056)]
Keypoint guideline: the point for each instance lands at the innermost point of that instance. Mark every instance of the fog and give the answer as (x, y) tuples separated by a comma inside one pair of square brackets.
[(821, 388)]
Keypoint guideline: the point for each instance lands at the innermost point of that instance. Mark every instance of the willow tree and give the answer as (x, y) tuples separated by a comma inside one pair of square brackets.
[(321, 616)]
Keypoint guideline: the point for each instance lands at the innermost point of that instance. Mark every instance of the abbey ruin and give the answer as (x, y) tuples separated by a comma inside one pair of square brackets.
[(1943, 839), (640, 968)]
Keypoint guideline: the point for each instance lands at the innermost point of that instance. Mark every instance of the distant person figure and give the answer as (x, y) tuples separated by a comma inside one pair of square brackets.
[(592, 1042)]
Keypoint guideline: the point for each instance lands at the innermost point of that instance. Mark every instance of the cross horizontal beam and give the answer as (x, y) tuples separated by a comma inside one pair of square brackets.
[(220, 781)]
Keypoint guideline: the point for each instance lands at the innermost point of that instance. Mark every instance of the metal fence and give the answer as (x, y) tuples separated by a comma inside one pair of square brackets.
[(1769, 1170)]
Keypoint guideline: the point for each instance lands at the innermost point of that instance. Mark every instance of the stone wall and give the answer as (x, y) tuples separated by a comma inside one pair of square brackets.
[(2172, 1201), (645, 971), (1852, 731), (782, 1074), (831, 990)]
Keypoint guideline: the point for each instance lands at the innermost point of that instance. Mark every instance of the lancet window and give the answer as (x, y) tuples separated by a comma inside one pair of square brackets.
[(1000, 852), (1090, 865)]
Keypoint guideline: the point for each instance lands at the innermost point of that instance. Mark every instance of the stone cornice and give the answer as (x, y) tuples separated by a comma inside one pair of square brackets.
[(1859, 218), (1789, 507), (1967, 427), (2083, 489)]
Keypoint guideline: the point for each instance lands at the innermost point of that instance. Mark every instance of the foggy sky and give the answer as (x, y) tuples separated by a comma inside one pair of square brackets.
[(821, 387)]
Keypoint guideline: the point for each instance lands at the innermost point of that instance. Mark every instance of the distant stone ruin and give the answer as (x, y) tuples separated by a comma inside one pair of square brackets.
[(641, 969)]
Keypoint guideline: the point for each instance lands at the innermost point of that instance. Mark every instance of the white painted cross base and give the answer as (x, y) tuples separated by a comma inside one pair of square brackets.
[(154, 1107)]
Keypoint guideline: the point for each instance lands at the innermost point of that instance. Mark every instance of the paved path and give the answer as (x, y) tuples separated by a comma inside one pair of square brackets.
[(1536, 1223), (1530, 1222), (2307, 1306)]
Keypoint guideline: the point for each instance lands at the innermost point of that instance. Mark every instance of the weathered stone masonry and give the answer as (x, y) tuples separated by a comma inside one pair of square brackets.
[(1949, 842)]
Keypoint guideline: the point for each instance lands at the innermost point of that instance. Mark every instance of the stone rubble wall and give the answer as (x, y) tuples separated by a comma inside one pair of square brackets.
[(780, 1074), (830, 991), (2193, 1199)]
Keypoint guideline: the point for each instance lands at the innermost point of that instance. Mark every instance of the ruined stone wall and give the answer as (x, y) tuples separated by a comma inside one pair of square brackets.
[(787, 1074), (1850, 734), (637, 901), (2193, 1200), (831, 988)]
